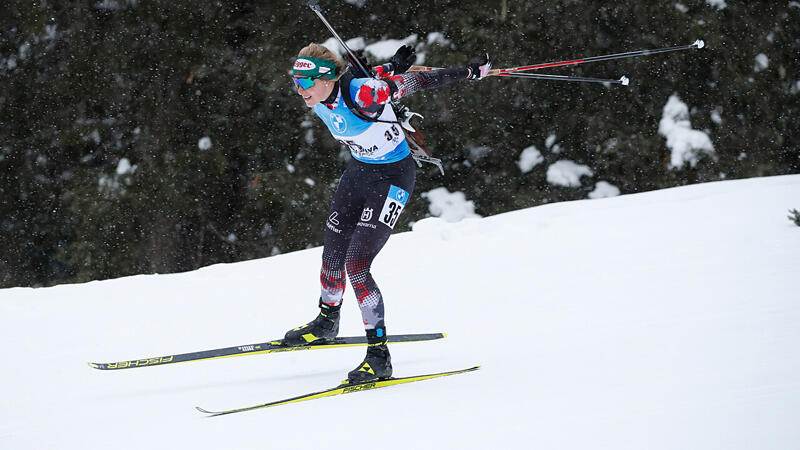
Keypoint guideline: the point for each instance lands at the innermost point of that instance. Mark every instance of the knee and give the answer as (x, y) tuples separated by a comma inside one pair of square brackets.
[(356, 268)]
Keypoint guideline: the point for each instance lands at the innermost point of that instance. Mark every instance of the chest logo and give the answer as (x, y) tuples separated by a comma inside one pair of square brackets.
[(338, 122), (366, 215)]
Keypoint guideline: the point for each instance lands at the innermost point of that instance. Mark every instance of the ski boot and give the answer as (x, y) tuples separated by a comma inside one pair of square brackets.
[(323, 328), (377, 365)]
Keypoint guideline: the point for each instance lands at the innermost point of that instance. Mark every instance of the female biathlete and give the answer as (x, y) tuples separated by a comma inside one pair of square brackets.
[(373, 189)]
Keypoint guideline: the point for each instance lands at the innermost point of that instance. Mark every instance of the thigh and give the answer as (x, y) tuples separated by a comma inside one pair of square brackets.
[(344, 211), (388, 195), (385, 199)]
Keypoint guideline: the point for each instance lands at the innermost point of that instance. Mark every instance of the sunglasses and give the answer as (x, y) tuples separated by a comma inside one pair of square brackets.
[(304, 83)]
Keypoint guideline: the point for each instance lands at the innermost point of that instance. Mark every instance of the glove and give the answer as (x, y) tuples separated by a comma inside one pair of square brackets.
[(480, 69), (403, 59)]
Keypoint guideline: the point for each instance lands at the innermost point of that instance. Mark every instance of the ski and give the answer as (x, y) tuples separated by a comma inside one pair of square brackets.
[(276, 346), (344, 388)]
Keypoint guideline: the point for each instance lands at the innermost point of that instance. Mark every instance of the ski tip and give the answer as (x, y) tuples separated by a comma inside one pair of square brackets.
[(204, 411), (699, 43), (95, 365)]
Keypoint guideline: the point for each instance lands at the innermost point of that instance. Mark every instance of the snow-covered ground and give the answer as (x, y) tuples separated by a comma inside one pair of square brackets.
[(663, 320)]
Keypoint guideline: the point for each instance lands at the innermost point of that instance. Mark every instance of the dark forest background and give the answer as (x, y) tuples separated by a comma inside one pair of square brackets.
[(88, 86)]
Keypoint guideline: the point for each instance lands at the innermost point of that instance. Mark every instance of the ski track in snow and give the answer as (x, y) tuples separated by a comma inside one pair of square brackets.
[(659, 320)]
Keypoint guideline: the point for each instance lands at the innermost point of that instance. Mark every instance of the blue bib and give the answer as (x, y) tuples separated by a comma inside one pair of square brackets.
[(369, 142)]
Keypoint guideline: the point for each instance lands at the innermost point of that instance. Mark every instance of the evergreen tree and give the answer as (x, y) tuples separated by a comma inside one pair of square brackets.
[(141, 136)]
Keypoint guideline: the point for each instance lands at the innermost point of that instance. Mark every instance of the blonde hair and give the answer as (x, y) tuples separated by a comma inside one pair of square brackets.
[(322, 52)]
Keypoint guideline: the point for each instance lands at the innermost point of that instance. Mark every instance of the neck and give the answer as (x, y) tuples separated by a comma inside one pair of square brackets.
[(333, 94)]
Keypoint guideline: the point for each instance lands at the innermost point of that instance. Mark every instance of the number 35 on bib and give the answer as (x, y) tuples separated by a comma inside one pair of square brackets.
[(395, 202)]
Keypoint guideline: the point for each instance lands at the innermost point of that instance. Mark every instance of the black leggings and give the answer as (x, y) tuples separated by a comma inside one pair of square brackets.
[(365, 208)]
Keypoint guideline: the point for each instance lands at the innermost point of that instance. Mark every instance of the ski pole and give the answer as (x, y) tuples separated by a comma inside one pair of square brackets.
[(623, 80), (314, 5), (697, 44)]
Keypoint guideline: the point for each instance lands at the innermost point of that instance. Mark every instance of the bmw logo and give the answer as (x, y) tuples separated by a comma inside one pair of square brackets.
[(338, 122)]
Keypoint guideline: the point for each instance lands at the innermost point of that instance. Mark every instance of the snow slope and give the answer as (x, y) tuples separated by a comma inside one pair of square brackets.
[(660, 320)]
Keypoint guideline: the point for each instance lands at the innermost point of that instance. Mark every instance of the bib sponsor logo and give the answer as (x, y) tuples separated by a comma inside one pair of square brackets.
[(333, 218), (339, 124), (366, 215), (333, 222), (304, 64)]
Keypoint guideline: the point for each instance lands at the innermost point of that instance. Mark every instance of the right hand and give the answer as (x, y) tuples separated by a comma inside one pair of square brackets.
[(403, 58), (480, 69)]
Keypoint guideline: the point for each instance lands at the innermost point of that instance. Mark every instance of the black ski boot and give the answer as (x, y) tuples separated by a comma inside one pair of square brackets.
[(377, 365), (324, 328)]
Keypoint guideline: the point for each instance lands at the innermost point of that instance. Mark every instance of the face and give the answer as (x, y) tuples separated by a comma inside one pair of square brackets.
[(316, 93)]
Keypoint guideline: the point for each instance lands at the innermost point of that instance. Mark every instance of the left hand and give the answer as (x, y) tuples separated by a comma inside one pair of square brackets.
[(403, 59), (479, 70)]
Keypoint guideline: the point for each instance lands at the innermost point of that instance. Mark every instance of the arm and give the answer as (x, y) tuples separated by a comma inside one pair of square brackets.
[(409, 83), (383, 71), (374, 94)]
